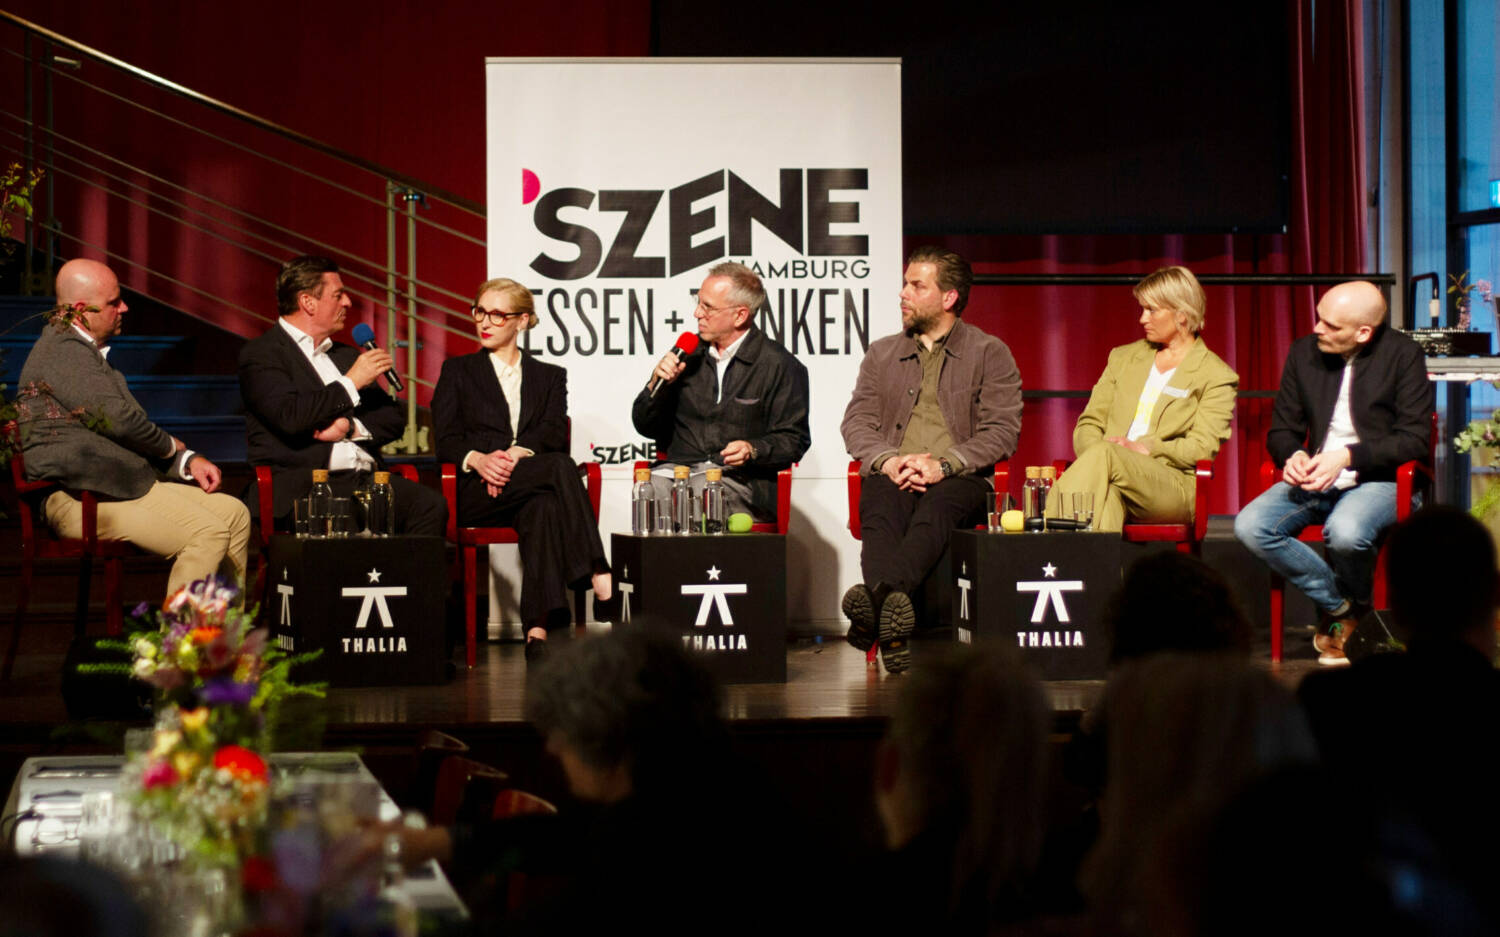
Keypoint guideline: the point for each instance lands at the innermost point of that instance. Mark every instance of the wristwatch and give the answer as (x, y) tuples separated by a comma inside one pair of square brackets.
[(947, 468)]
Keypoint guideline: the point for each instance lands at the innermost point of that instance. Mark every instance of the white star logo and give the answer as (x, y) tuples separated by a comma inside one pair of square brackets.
[(713, 573), (963, 567), (374, 575), (1049, 571), (284, 574)]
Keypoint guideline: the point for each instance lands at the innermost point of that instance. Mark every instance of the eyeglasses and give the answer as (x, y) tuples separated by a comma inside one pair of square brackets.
[(495, 315), (715, 310)]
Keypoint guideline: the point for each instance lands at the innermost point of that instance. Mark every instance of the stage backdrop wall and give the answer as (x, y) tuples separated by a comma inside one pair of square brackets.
[(634, 176)]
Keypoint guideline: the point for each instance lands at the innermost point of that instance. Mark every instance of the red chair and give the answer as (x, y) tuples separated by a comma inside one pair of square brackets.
[(856, 486), (1406, 477), (1189, 535), (267, 518), (783, 502), (38, 544), (470, 539)]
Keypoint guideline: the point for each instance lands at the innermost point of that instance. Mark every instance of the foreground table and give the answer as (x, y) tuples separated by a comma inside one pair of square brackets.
[(725, 595), (1044, 591), (47, 798)]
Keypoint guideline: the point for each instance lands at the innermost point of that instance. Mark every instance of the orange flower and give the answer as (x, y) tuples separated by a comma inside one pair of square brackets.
[(240, 762), (204, 635)]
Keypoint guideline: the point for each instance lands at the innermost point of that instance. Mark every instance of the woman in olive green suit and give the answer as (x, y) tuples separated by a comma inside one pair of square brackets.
[(1163, 403)]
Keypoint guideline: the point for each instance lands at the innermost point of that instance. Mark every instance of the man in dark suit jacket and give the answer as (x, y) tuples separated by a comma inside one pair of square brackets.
[(312, 403), (153, 490)]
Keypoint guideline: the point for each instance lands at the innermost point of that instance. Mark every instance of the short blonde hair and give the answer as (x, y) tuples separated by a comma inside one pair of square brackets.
[(1174, 288), (519, 296)]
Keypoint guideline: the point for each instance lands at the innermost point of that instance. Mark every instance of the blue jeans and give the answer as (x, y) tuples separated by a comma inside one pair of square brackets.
[(1353, 520)]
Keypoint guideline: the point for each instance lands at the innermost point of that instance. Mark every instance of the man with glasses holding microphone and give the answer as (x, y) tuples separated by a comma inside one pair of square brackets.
[(738, 401)]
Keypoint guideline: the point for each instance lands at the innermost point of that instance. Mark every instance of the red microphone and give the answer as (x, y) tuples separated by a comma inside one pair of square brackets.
[(687, 343)]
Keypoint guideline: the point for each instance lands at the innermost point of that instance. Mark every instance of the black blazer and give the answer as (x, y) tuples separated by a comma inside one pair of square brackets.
[(286, 402), (470, 412)]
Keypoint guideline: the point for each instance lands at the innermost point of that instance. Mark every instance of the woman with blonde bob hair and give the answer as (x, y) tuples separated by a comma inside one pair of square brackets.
[(501, 416), (1163, 403)]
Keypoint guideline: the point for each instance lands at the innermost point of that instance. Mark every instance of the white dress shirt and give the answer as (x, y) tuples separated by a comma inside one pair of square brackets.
[(345, 454), (1341, 428)]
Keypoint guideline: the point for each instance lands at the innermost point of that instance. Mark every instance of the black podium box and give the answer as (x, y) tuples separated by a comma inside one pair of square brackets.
[(725, 595), (1043, 591), (373, 604)]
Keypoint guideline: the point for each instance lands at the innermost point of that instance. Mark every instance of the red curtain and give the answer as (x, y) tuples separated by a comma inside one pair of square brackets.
[(400, 84)]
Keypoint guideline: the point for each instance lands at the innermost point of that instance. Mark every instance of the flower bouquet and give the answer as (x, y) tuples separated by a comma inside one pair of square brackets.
[(202, 780)]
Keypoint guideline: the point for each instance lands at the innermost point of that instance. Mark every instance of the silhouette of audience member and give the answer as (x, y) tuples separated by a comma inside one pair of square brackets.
[(1185, 732), (1383, 873), (1173, 602), (50, 896), (671, 832), (961, 790), (1414, 726)]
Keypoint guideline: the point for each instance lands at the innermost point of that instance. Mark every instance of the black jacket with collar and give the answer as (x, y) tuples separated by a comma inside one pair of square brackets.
[(470, 412), (1390, 401)]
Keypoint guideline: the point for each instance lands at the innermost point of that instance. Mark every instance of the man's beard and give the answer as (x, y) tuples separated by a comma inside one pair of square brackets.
[(919, 323)]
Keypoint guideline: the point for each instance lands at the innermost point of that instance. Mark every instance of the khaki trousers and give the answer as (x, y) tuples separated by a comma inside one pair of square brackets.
[(1125, 484), (203, 533)]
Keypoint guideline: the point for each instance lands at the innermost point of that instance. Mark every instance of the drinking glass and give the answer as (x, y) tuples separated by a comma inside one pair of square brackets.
[(302, 518), (1083, 508), (992, 511), (340, 517), (362, 496)]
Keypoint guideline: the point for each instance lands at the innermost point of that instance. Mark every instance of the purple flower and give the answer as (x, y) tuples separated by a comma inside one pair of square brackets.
[(226, 692), (140, 610)]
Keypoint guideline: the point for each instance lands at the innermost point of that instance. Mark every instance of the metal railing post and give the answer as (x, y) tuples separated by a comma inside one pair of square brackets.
[(413, 440)]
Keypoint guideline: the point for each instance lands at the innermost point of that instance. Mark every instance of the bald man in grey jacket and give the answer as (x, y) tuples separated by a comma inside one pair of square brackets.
[(153, 490)]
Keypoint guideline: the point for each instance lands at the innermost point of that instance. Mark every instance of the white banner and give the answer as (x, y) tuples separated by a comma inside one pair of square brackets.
[(614, 184)]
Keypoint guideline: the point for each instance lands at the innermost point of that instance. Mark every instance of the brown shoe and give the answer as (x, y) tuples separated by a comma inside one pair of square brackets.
[(1332, 655)]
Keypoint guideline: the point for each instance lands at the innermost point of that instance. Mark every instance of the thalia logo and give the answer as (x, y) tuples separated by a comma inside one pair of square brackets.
[(1049, 591), (374, 596), (715, 597)]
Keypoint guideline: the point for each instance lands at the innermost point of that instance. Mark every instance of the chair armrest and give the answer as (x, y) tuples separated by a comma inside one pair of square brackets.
[(1002, 479), (593, 481), (856, 485), (783, 500), (448, 480), (1406, 486), (1061, 465), (1268, 474), (407, 471), (264, 496), (1204, 474)]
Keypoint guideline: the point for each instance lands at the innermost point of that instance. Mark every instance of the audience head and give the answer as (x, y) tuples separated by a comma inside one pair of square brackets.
[(1175, 289), (952, 273), (628, 713), (49, 896), (96, 287), (965, 757), (1173, 602), (1443, 579), (1184, 732)]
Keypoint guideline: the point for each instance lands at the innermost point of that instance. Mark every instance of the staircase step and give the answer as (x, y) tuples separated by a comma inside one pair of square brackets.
[(168, 396)]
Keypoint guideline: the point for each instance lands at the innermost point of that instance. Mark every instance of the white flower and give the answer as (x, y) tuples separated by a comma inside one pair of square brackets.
[(145, 648), (144, 668)]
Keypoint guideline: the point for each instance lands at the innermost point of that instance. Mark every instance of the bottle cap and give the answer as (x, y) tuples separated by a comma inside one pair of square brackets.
[(682, 471), (714, 474), (320, 475), (382, 478), (642, 474), (1050, 472), (1033, 471)]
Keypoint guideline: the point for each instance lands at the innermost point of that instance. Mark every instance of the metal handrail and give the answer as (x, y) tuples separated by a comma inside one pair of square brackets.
[(245, 116), (140, 171)]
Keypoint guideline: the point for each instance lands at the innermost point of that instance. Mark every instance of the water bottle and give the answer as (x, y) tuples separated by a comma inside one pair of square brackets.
[(380, 516), (320, 503), (1034, 498), (682, 500), (713, 502), (643, 499)]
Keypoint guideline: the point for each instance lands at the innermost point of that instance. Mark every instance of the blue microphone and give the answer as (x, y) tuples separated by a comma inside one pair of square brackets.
[(364, 336)]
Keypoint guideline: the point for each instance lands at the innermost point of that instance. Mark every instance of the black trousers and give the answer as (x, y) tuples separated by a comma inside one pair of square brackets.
[(904, 533), (559, 539), (419, 510)]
